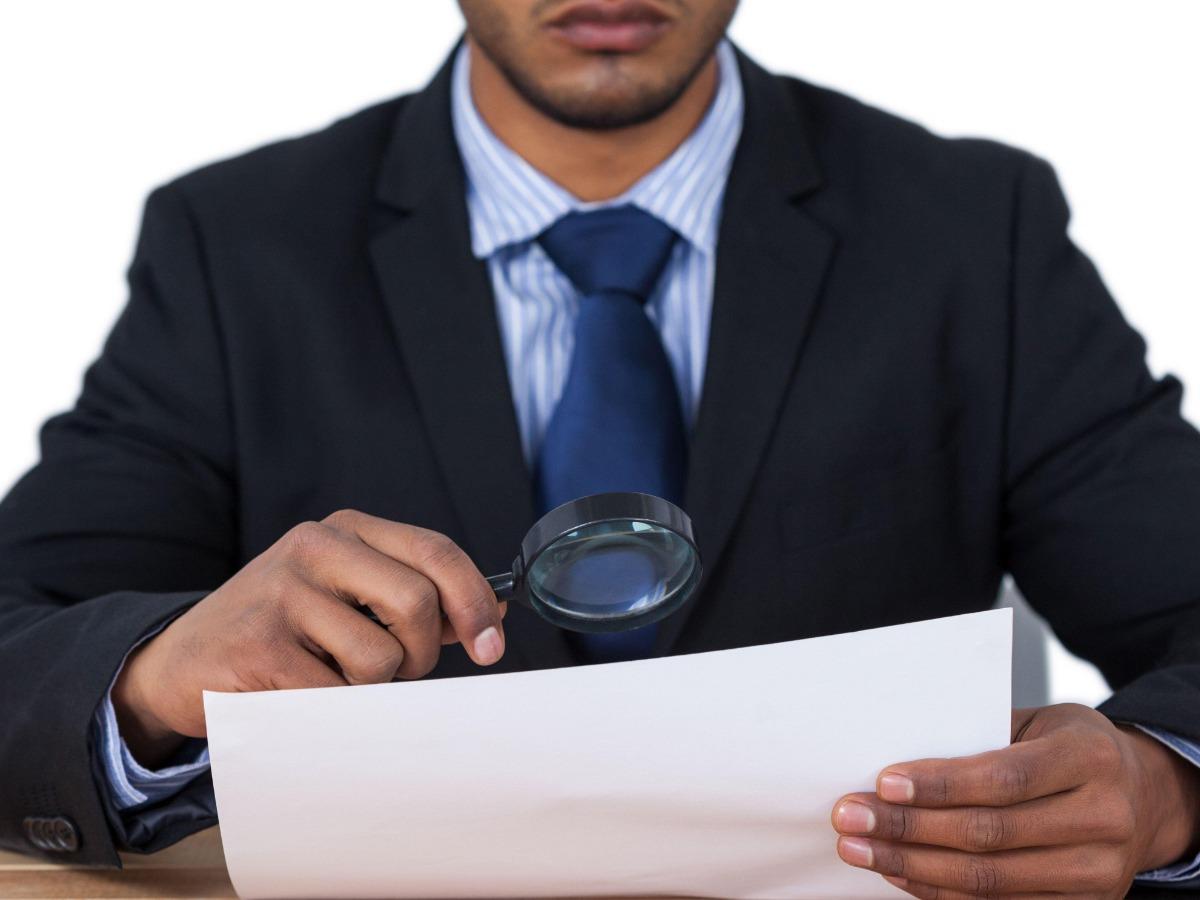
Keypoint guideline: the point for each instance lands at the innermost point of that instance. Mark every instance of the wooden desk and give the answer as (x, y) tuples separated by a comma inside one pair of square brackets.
[(193, 868)]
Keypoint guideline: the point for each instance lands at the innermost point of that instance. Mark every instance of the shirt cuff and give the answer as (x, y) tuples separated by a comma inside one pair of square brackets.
[(132, 784), (1190, 751)]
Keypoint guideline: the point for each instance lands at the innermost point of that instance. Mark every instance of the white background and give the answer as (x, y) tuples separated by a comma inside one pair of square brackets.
[(99, 102)]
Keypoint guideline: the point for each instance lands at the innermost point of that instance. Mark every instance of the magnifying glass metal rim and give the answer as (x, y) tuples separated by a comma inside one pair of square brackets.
[(581, 513)]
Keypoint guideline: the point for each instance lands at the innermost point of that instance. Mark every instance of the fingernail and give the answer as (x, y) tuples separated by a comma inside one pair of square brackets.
[(896, 788), (855, 818), (855, 851), (901, 883), (488, 646)]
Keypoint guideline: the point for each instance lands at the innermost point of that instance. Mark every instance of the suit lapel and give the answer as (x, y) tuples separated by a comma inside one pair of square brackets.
[(771, 262), (440, 302)]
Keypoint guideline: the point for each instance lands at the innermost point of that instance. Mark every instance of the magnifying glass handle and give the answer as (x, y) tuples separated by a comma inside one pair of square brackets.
[(502, 584)]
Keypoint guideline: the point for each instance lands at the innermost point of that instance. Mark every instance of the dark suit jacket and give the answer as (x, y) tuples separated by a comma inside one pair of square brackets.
[(914, 384)]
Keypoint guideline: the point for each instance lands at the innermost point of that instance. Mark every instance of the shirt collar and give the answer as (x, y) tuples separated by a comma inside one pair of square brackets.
[(511, 202)]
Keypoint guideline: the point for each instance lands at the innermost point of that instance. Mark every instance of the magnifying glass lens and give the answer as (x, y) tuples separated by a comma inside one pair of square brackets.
[(613, 575)]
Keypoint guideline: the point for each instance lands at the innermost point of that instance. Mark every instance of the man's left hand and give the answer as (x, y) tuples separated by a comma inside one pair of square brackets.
[(1075, 804)]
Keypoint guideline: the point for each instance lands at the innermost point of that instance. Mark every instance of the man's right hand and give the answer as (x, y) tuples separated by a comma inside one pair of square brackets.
[(288, 620)]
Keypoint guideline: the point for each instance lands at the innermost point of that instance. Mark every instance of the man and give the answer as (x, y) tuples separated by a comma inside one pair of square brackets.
[(604, 251)]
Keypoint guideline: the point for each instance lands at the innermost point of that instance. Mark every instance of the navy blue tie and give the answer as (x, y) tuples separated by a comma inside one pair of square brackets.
[(618, 425)]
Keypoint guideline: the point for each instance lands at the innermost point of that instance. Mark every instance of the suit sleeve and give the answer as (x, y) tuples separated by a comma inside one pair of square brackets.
[(126, 521), (1102, 514)]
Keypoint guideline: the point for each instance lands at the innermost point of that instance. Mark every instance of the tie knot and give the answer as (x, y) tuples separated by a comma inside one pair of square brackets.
[(618, 248)]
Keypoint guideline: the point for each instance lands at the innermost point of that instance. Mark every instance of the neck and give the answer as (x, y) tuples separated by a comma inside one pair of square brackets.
[(592, 165)]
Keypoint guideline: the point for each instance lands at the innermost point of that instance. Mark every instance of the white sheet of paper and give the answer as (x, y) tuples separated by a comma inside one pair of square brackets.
[(711, 775)]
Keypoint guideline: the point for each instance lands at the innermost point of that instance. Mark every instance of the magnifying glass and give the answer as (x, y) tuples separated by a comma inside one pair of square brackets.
[(605, 563)]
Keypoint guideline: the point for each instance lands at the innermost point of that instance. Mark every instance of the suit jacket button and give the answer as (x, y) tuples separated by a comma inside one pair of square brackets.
[(54, 835), (63, 834), (34, 828)]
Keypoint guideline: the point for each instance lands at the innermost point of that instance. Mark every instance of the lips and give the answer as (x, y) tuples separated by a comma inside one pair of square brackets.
[(623, 26)]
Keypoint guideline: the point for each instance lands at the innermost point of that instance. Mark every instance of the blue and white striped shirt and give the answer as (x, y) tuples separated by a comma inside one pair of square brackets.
[(509, 204)]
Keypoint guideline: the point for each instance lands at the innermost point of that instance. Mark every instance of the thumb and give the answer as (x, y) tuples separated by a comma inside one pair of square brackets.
[(1021, 720)]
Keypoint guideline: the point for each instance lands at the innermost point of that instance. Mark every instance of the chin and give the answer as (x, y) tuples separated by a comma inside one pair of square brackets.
[(607, 98), (590, 111)]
